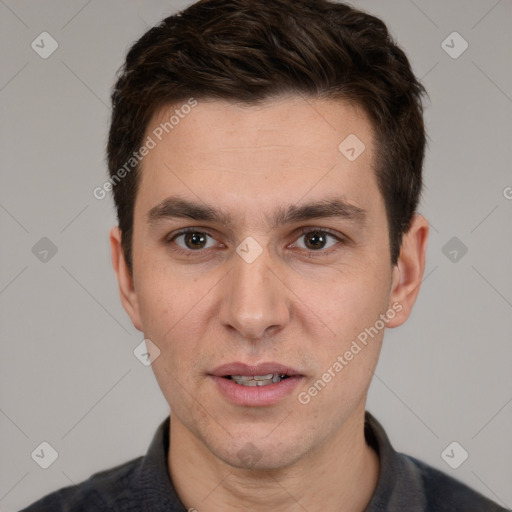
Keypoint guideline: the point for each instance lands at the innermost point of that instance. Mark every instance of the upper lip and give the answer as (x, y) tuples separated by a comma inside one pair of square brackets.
[(236, 368)]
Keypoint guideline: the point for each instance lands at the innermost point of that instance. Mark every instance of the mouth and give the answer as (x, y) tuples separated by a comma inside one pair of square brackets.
[(257, 380), (259, 385)]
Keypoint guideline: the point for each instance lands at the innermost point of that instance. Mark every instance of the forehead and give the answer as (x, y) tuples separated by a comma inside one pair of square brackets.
[(286, 148)]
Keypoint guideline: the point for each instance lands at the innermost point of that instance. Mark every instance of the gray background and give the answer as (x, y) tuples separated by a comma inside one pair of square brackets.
[(68, 373)]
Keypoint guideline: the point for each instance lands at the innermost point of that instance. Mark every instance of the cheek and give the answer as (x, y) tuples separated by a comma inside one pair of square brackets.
[(349, 299), (177, 306), (169, 312), (166, 301), (346, 361), (350, 305), (164, 291)]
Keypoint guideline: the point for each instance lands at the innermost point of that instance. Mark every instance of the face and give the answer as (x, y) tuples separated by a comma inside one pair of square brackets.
[(260, 247)]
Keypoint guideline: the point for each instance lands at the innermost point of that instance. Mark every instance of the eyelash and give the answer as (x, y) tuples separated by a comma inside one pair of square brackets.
[(303, 231)]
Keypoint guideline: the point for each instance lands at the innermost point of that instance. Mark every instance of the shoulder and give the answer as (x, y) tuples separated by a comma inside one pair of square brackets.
[(111, 489), (406, 483), (444, 493)]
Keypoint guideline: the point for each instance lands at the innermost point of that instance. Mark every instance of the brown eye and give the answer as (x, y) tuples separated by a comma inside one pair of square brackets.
[(193, 240), (315, 240)]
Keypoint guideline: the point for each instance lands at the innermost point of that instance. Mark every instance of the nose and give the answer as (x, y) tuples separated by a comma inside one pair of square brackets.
[(256, 301)]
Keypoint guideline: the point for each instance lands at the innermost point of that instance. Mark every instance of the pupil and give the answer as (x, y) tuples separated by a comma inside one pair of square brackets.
[(317, 240), (195, 240)]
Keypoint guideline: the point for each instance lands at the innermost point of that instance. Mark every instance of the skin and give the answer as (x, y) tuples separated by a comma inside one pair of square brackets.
[(294, 304)]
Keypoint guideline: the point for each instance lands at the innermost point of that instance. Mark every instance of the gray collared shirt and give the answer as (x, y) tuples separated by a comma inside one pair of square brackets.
[(143, 484)]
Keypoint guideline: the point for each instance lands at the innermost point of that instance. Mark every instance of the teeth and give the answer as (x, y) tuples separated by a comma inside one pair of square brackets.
[(263, 377), (258, 380)]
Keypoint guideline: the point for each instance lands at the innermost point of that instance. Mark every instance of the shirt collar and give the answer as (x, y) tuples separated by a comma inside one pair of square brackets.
[(399, 486), (399, 481), (158, 493)]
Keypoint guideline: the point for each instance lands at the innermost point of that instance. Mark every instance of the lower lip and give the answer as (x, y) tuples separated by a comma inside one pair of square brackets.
[(253, 396)]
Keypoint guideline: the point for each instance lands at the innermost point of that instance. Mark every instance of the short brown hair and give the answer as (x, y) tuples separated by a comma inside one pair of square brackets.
[(249, 51)]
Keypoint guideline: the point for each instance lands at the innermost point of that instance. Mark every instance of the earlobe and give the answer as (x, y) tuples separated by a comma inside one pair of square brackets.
[(408, 272), (129, 298)]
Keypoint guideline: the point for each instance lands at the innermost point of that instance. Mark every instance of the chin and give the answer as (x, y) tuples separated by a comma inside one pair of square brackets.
[(260, 452)]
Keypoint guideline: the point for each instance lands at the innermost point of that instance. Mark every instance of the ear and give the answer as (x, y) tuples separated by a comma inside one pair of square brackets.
[(408, 272), (129, 298)]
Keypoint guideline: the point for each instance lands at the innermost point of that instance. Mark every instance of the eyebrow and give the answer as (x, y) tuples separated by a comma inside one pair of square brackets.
[(177, 207)]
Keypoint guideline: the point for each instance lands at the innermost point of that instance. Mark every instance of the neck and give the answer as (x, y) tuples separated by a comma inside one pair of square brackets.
[(341, 474)]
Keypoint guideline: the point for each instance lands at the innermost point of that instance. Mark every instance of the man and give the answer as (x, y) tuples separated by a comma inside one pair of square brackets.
[(265, 160)]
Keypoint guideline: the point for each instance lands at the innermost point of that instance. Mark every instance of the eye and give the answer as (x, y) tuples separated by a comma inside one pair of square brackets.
[(193, 240), (316, 240)]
